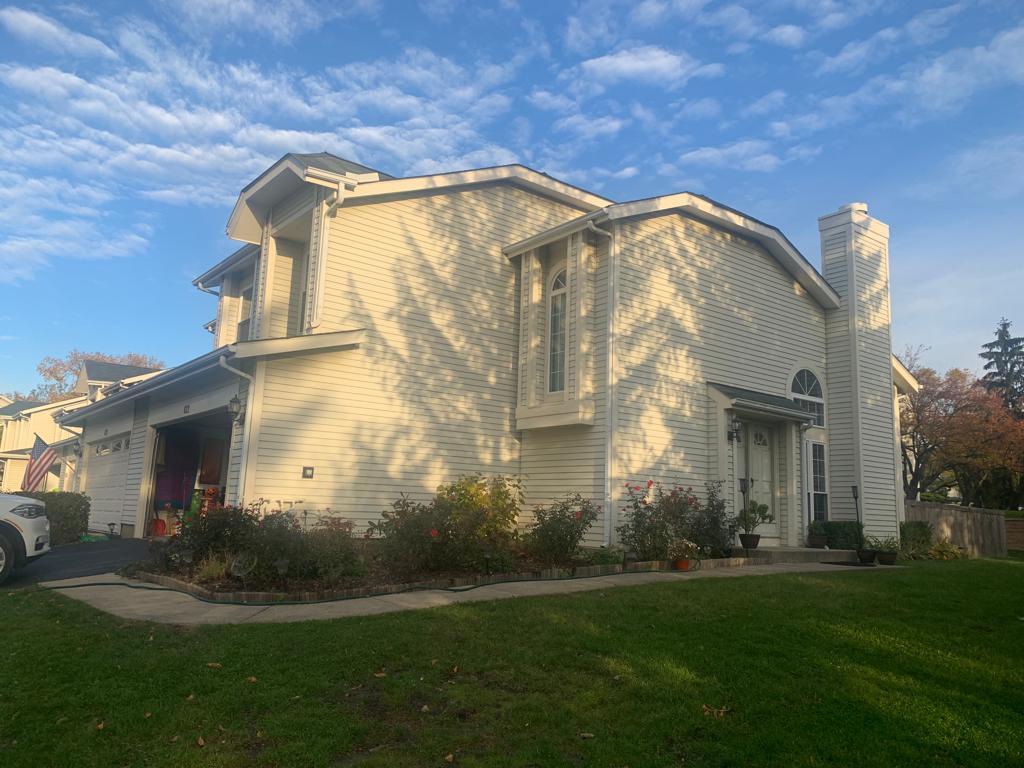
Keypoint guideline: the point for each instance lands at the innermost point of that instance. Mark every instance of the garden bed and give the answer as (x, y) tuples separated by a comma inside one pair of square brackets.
[(225, 592)]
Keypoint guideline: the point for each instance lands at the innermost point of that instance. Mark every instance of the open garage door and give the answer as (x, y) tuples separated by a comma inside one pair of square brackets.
[(105, 475)]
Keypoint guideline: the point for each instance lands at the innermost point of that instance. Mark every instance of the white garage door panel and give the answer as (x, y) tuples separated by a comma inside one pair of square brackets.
[(104, 485)]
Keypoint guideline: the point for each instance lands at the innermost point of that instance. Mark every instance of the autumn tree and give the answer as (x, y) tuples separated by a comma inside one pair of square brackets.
[(60, 373)]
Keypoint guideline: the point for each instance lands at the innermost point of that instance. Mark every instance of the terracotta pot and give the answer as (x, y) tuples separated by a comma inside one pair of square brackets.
[(887, 558), (817, 540), (866, 555), (750, 540), (681, 565)]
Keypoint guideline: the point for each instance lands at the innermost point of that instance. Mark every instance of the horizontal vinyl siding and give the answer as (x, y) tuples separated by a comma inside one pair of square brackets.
[(232, 491), (561, 460), (136, 464), (430, 394), (697, 304)]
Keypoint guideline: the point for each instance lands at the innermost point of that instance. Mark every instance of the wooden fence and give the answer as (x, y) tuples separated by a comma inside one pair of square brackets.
[(1014, 533), (982, 532)]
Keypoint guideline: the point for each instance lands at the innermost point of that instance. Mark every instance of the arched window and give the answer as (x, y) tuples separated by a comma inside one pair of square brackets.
[(558, 301), (806, 391)]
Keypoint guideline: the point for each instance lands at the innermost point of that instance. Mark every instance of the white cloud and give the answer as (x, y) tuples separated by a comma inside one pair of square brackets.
[(44, 31), (590, 127), (746, 155), (628, 172), (836, 14), (994, 167), (923, 29), (647, 63), (701, 109), (787, 35), (770, 102), (281, 20), (733, 20), (553, 102)]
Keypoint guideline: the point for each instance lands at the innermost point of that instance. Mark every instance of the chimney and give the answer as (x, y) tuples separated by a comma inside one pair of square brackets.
[(860, 415)]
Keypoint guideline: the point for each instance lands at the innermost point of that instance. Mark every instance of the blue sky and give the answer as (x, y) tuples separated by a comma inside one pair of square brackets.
[(126, 129)]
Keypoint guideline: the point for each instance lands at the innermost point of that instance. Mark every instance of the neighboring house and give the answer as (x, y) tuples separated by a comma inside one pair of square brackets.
[(378, 336), (21, 421), (97, 374)]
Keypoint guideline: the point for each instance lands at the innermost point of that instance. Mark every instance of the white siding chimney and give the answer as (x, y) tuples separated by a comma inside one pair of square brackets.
[(855, 261)]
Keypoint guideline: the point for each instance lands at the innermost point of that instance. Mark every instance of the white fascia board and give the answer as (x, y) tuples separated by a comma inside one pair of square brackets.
[(769, 237), (904, 380), (518, 174), (215, 274), (551, 235), (314, 342), (59, 405), (243, 224)]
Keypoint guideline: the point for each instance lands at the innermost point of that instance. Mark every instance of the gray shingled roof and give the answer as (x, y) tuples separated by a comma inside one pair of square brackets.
[(13, 409), (98, 370), (753, 396)]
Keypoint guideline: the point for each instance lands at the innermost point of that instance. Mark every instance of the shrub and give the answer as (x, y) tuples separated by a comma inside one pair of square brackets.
[(883, 544), (467, 524), (68, 513), (816, 528), (683, 549), (711, 527), (555, 535), (844, 534), (944, 549), (915, 539), (217, 532), (213, 567), (657, 518), (334, 553)]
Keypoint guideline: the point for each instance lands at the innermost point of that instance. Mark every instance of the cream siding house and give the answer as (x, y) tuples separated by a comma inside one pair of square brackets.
[(377, 336)]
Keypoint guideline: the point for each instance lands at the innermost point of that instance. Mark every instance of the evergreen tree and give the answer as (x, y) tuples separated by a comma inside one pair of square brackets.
[(1005, 365)]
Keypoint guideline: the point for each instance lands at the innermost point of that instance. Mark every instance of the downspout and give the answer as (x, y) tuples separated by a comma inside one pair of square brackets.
[(222, 361), (321, 252), (609, 381)]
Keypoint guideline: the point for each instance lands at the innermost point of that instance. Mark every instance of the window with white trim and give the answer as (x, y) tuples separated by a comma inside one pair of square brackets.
[(807, 394), (558, 305), (819, 483)]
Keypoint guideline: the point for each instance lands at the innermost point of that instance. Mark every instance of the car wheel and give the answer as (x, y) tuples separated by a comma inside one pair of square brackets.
[(6, 558)]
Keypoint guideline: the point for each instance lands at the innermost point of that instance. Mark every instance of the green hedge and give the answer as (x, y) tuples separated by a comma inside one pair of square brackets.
[(844, 534), (68, 513)]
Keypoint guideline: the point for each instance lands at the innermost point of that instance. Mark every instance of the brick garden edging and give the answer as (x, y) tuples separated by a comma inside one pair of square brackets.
[(549, 574)]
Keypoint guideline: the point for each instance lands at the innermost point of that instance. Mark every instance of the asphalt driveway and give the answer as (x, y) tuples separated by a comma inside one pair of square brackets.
[(73, 560)]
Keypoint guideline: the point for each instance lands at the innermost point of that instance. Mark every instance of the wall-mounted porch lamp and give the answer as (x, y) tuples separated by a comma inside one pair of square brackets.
[(735, 430), (235, 408), (855, 490), (76, 449)]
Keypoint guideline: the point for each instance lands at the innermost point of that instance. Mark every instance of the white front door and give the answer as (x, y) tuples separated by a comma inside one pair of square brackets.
[(761, 473)]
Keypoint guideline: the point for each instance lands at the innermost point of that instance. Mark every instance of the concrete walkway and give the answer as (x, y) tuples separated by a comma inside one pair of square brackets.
[(147, 602)]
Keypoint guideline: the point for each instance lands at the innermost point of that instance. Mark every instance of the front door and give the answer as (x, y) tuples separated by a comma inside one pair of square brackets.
[(761, 474)]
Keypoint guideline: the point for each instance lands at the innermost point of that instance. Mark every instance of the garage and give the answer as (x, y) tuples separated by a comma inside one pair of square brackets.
[(105, 473)]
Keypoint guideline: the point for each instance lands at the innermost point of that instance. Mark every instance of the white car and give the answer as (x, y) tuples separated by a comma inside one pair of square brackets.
[(24, 532)]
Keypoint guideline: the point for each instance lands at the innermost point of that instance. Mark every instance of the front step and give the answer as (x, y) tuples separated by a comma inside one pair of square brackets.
[(798, 555)]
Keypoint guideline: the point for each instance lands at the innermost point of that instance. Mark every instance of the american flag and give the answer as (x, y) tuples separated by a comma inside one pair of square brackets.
[(39, 462)]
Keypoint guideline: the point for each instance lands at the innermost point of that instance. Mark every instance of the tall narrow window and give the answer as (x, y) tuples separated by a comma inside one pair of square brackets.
[(819, 487), (244, 313), (806, 391), (557, 306)]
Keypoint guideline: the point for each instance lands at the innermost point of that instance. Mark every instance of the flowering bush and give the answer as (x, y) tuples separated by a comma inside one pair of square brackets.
[(468, 523), (657, 518), (555, 535)]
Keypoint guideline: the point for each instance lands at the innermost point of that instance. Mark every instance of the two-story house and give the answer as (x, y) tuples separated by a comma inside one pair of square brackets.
[(377, 336)]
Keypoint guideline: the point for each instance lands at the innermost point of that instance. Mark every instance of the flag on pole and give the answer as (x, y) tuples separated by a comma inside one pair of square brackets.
[(39, 462)]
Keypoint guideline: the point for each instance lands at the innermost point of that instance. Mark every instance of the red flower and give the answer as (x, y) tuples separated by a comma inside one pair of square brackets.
[(433, 533), (626, 485), (650, 483), (579, 515)]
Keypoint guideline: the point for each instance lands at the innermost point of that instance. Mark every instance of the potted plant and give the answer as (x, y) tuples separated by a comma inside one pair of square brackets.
[(682, 553), (886, 549), (865, 552), (816, 536), (751, 516)]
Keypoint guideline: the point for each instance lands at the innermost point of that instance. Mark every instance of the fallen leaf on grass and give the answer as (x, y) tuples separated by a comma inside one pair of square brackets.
[(174, 739), (718, 712), (148, 715), (424, 708), (449, 758), (200, 742), (382, 673), (61, 720), (586, 735), (250, 679), (214, 665), (190, 697), (100, 726)]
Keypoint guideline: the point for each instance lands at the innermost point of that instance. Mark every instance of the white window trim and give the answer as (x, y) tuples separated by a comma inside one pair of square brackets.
[(560, 269), (797, 396)]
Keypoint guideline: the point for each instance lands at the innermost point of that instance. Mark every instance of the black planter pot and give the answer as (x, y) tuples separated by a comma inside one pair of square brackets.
[(817, 540), (750, 540), (866, 555), (887, 558)]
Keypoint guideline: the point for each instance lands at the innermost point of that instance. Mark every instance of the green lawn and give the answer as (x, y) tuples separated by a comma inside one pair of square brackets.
[(920, 666)]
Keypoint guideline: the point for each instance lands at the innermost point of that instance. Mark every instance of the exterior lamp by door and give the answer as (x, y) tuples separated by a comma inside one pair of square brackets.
[(235, 408), (855, 490), (735, 430)]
